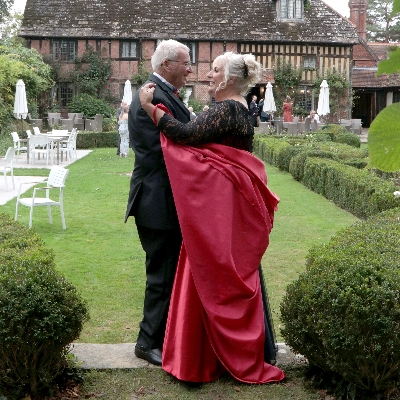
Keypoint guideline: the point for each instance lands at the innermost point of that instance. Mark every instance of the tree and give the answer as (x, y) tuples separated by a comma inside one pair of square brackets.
[(5, 6), (18, 62), (382, 24), (10, 26)]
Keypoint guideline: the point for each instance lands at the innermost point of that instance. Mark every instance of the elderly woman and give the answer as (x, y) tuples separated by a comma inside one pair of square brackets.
[(123, 132), (218, 318)]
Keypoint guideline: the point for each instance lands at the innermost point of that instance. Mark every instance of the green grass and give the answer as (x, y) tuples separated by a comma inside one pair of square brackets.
[(102, 257), (153, 383)]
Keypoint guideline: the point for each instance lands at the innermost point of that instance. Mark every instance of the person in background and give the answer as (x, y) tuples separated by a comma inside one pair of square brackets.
[(117, 114), (123, 132), (218, 319), (287, 110), (253, 110), (150, 199), (313, 117), (192, 114)]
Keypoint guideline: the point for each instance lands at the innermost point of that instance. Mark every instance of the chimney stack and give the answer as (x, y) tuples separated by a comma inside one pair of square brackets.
[(358, 16)]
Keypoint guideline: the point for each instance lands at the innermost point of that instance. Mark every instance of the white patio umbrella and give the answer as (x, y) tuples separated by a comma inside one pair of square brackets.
[(20, 103), (323, 100), (269, 102), (127, 92)]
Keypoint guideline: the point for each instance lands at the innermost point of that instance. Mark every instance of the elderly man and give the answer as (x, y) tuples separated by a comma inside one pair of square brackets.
[(150, 198)]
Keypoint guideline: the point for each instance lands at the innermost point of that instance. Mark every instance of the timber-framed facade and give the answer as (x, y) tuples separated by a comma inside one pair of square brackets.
[(315, 37)]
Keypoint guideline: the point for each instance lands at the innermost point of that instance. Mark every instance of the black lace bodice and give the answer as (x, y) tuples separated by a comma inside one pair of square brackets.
[(228, 123)]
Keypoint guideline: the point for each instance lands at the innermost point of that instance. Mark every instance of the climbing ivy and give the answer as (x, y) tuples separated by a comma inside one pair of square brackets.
[(338, 90), (142, 75), (92, 73), (287, 79)]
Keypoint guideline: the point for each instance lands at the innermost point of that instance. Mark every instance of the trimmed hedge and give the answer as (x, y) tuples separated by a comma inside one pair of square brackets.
[(337, 173), (343, 313), (41, 313), (354, 190), (91, 140)]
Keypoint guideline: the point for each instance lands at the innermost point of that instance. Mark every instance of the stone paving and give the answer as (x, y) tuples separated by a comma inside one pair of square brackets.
[(114, 356)]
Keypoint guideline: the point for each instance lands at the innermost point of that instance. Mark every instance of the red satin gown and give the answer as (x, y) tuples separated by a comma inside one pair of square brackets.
[(216, 317)]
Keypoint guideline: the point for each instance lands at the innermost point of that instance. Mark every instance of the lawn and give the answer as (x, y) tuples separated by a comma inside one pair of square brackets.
[(102, 257)]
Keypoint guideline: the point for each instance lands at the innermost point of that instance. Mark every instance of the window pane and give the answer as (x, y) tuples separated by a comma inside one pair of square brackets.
[(133, 49), (125, 49), (192, 51), (309, 62), (71, 51), (64, 50), (291, 9), (129, 49), (63, 94)]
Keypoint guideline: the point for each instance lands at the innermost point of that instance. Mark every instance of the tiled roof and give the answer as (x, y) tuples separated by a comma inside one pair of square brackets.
[(382, 50), (366, 78), (231, 20)]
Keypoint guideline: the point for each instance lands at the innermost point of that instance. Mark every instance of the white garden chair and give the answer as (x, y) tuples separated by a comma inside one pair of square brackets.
[(19, 144), (40, 144), (69, 146), (56, 180), (8, 166)]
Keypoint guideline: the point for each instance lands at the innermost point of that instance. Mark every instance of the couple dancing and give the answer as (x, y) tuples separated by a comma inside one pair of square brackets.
[(203, 214)]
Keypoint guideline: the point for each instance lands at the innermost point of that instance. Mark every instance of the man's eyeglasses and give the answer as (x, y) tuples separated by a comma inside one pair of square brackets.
[(186, 64)]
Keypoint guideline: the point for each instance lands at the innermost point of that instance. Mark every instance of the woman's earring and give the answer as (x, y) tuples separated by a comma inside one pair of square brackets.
[(221, 86)]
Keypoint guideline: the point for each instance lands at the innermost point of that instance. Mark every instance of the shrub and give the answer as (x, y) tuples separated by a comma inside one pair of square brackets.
[(285, 155), (91, 140), (358, 163), (109, 124), (267, 147), (343, 313), (90, 106), (348, 138), (354, 190), (41, 313), (296, 166), (197, 105)]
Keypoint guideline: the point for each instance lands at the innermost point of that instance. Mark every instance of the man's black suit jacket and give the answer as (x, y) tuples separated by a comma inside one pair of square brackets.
[(150, 198)]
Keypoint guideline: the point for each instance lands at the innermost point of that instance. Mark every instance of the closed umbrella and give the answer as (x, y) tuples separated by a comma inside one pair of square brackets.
[(127, 93), (269, 102), (20, 103), (323, 100)]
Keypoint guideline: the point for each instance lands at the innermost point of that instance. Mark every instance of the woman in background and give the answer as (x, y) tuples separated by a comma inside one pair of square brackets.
[(287, 110), (123, 132)]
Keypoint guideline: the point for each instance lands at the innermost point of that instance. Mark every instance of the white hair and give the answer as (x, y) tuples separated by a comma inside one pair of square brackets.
[(166, 50), (243, 67)]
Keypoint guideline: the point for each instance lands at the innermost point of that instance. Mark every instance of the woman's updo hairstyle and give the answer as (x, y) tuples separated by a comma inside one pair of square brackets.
[(243, 67)]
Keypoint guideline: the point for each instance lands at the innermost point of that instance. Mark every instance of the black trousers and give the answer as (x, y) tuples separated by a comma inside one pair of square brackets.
[(162, 252)]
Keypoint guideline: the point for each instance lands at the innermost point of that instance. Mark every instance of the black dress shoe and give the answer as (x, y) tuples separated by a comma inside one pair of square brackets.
[(153, 356)]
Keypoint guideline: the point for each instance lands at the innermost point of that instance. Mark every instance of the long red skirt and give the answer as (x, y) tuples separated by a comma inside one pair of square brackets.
[(216, 316)]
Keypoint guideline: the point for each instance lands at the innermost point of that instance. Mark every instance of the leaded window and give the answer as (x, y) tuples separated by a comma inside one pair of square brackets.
[(64, 50), (291, 9), (129, 49)]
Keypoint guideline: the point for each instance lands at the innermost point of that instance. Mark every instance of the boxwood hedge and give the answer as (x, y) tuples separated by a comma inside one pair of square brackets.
[(41, 313), (343, 313)]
